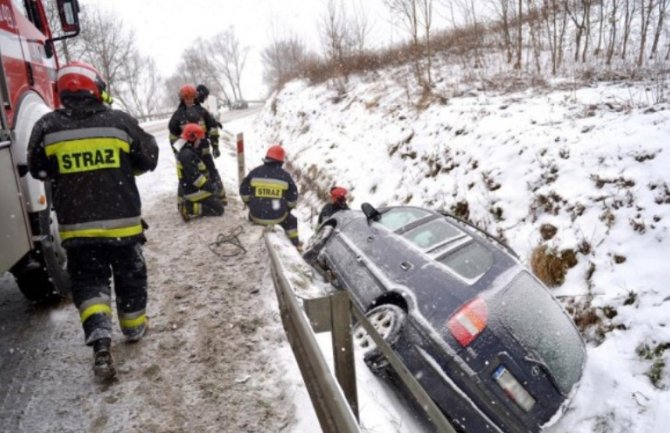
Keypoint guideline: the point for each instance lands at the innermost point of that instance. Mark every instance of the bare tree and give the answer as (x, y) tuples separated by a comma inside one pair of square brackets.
[(613, 32), (426, 13), (334, 32), (630, 7), (141, 91), (662, 10), (105, 43), (228, 57), (519, 36), (645, 18), (503, 10), (283, 60), (358, 27), (555, 19), (580, 14), (408, 11)]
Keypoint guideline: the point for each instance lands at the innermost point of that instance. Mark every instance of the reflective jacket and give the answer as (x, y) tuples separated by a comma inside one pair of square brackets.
[(195, 183), (197, 114), (330, 209), (270, 193), (91, 154), (194, 114)]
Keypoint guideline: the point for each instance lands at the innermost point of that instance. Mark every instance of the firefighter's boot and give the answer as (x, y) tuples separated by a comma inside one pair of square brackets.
[(136, 334), (103, 364)]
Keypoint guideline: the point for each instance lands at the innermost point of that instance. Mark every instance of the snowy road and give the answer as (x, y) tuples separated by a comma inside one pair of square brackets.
[(208, 364)]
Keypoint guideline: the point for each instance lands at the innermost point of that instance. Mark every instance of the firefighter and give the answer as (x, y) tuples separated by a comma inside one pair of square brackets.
[(190, 111), (338, 202), (199, 195), (271, 194), (203, 94), (91, 154)]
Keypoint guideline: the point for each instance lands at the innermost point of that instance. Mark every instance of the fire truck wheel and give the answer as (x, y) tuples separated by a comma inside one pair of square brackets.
[(41, 274)]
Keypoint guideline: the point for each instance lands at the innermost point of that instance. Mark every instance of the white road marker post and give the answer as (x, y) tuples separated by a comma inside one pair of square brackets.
[(240, 157)]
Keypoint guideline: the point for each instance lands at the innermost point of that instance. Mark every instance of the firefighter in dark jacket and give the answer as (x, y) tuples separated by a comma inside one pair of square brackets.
[(338, 202), (190, 111), (91, 154), (199, 196), (271, 194)]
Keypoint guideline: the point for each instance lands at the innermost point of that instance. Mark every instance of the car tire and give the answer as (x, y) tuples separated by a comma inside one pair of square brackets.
[(389, 321)]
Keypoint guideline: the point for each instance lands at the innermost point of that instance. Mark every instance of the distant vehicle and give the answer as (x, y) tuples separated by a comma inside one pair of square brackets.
[(489, 343), (30, 247), (239, 105)]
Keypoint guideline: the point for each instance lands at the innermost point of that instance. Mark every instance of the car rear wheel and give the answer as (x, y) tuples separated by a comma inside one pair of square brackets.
[(388, 320)]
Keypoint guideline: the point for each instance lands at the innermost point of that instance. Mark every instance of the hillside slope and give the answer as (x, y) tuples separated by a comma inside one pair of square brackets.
[(576, 181)]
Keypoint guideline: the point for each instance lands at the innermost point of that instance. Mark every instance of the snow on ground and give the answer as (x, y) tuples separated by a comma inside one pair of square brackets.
[(591, 161)]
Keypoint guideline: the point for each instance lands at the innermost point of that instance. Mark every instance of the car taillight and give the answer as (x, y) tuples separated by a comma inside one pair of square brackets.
[(513, 388), (469, 321)]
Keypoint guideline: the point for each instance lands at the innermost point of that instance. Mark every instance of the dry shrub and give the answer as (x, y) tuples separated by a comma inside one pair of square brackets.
[(548, 231), (551, 266), (461, 209)]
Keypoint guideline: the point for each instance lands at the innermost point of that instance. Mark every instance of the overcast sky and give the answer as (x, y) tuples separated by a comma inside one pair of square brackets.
[(165, 28)]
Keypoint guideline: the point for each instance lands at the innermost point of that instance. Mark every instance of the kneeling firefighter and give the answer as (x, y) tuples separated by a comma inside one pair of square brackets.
[(199, 194), (271, 194)]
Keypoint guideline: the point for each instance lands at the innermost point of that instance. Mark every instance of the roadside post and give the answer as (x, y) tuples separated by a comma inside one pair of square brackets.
[(240, 157)]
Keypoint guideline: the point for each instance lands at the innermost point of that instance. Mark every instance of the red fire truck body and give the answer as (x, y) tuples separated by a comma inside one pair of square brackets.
[(30, 247)]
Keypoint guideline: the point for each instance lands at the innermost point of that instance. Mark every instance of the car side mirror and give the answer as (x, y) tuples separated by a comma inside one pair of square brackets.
[(370, 212)]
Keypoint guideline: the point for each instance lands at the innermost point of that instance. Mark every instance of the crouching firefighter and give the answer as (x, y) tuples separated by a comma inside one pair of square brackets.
[(271, 194), (199, 194), (91, 154), (190, 111)]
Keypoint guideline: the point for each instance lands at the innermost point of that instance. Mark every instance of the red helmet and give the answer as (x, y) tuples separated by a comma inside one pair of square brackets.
[(78, 76), (192, 131), (276, 153), (187, 91), (337, 193)]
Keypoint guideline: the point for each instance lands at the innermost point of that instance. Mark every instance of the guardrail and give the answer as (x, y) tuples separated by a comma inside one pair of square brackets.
[(336, 402)]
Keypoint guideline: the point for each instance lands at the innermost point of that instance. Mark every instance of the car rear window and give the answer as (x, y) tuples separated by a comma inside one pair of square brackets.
[(395, 218), (539, 323), (470, 261), (432, 233)]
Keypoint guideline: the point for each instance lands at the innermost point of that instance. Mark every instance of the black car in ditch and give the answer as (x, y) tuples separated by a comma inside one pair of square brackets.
[(489, 343)]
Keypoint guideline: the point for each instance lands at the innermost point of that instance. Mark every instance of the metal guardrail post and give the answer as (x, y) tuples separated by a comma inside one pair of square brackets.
[(434, 413), (343, 347), (332, 409)]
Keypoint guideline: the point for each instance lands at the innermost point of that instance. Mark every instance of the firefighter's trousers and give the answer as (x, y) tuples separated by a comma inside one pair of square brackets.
[(90, 269), (210, 206), (289, 224)]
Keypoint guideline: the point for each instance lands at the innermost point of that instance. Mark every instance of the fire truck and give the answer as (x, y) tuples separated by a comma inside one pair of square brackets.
[(29, 242)]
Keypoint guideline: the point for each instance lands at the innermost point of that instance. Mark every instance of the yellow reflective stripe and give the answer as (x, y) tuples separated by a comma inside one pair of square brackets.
[(200, 181), (95, 309), (88, 154), (269, 189), (267, 222), (122, 232), (245, 198), (292, 233), (214, 132), (274, 183), (133, 323), (197, 196)]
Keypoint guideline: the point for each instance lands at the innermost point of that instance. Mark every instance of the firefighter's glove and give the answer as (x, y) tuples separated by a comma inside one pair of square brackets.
[(215, 151)]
